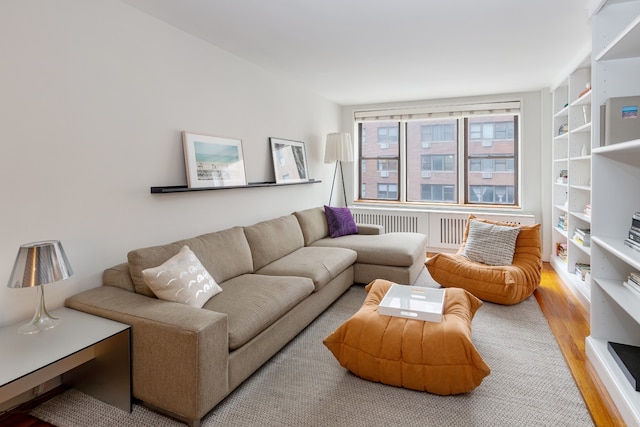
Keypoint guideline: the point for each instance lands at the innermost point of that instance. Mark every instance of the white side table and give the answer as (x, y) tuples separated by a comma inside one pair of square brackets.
[(91, 353)]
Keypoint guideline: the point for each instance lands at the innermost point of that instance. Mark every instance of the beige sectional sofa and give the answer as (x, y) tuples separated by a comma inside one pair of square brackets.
[(277, 276)]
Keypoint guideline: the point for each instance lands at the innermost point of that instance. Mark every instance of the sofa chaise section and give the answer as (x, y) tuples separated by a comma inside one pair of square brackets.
[(398, 257)]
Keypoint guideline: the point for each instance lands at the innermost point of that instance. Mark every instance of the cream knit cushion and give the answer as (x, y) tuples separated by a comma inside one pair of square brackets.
[(490, 244), (182, 278)]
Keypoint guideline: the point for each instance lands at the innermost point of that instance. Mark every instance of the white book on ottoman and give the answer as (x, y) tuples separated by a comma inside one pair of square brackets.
[(413, 302)]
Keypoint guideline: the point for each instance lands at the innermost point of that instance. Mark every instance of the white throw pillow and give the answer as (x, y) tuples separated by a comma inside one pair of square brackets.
[(491, 244), (182, 278)]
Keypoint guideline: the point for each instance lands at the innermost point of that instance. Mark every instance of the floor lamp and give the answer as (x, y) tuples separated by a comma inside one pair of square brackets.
[(338, 150)]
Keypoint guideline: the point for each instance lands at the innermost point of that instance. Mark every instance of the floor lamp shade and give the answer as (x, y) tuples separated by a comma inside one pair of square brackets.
[(37, 264), (338, 149)]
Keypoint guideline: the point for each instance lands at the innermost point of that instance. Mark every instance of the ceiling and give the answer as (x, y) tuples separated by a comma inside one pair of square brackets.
[(373, 51)]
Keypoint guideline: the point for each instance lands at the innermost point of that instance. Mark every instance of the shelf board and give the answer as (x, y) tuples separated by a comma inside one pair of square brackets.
[(579, 288), (583, 100), (184, 188), (625, 152), (616, 246), (585, 249), (562, 113), (625, 45), (561, 231), (622, 296), (581, 215), (562, 136), (581, 187), (626, 398), (584, 128)]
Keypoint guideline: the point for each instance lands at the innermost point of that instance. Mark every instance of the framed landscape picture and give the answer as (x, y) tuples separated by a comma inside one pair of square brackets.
[(289, 160), (213, 161)]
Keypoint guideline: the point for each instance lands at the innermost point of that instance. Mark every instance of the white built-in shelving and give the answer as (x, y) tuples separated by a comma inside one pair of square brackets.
[(572, 157), (615, 311)]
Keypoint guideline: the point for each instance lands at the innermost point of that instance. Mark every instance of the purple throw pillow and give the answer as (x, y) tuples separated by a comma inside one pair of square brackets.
[(340, 221)]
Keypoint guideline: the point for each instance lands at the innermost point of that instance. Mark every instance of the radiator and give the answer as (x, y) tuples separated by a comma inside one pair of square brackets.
[(444, 230), (391, 222)]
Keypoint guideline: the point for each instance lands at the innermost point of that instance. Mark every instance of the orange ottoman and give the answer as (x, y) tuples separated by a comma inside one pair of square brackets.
[(435, 357)]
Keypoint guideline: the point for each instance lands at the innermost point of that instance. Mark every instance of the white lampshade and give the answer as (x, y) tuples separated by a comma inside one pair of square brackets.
[(338, 148)]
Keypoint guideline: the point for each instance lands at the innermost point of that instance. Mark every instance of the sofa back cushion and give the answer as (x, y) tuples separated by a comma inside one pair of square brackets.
[(271, 240), (224, 254), (313, 223), (118, 276)]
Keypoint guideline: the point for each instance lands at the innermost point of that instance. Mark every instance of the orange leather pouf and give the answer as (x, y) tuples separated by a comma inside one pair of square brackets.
[(437, 357)]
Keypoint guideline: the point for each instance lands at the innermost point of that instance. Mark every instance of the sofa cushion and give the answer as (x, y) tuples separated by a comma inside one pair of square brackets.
[(490, 244), (271, 240), (252, 302), (317, 263), (224, 254), (182, 278), (313, 223), (397, 249), (340, 221)]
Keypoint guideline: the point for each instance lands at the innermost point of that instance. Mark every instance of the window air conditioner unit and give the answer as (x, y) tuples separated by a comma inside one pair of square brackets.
[(487, 175), (426, 174), (384, 174)]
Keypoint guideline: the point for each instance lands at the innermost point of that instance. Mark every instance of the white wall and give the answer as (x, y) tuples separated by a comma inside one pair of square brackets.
[(93, 97), (534, 155)]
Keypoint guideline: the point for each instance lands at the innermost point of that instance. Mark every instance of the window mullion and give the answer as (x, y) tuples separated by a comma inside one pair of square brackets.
[(402, 162)]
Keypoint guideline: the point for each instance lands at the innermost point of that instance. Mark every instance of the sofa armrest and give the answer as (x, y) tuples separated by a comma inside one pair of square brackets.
[(179, 353), (370, 229)]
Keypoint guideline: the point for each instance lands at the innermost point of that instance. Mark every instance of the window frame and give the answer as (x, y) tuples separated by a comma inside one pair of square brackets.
[(499, 130)]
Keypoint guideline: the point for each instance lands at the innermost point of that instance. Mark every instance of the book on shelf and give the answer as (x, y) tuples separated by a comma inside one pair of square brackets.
[(581, 270), (633, 245), (634, 288), (587, 210), (627, 358), (562, 222), (635, 277), (582, 236), (561, 250)]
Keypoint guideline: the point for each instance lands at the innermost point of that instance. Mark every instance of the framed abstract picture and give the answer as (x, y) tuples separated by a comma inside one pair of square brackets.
[(289, 161), (213, 161)]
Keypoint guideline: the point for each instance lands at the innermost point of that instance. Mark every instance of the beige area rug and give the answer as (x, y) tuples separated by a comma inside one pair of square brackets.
[(303, 385)]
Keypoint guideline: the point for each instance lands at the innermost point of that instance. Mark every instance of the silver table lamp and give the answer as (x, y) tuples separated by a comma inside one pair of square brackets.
[(37, 264)]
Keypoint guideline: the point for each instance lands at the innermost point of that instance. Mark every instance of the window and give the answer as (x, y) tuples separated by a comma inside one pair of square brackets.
[(388, 191), (465, 156), (437, 192), (387, 136), (380, 160)]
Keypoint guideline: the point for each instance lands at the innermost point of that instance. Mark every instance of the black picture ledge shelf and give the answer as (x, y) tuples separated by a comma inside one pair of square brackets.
[(184, 188)]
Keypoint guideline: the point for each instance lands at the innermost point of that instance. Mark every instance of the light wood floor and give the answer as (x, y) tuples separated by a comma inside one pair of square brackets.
[(569, 322)]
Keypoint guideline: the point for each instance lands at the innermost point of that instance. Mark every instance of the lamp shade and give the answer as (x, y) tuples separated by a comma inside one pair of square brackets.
[(338, 148), (39, 263)]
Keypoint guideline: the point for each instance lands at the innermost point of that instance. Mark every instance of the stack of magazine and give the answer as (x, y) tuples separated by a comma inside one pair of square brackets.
[(633, 283), (583, 236), (633, 240)]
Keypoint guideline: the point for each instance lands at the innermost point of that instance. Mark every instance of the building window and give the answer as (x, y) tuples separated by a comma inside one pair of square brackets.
[(388, 191), (475, 160), (387, 136), (437, 192), (379, 161)]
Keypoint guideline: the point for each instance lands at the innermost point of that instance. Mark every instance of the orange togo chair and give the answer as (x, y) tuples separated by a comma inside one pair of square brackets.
[(502, 284)]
